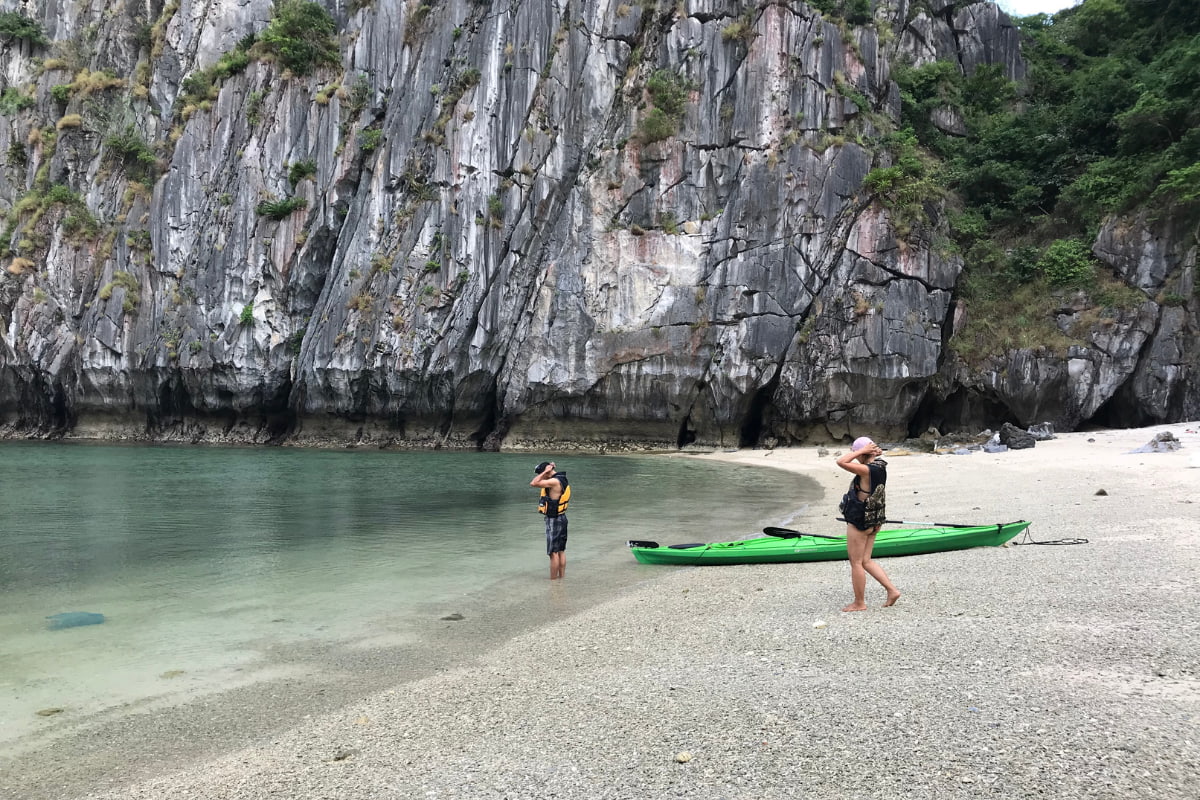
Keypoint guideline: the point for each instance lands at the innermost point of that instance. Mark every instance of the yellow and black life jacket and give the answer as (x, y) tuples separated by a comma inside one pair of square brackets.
[(547, 507)]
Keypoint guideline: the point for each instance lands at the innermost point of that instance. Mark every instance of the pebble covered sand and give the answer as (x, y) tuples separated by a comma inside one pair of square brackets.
[(1016, 672)]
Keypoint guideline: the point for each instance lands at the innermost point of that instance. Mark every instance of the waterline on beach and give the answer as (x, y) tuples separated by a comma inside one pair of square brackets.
[(218, 567)]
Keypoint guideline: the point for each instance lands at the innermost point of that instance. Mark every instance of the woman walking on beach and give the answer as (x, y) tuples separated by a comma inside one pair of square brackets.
[(863, 509)]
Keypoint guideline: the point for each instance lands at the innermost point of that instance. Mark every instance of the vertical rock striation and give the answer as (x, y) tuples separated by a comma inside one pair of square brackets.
[(509, 224)]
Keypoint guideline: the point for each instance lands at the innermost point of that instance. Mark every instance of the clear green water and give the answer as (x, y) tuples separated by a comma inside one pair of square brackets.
[(215, 567)]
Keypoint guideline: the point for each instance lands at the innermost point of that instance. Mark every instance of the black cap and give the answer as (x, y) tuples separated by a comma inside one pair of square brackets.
[(540, 468)]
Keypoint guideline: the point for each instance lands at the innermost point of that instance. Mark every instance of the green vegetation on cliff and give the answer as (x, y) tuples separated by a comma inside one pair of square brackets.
[(302, 36), (1107, 122), (1110, 117), (15, 25)]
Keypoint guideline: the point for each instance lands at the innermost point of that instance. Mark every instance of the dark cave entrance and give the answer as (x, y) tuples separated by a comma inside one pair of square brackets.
[(963, 411), (752, 422)]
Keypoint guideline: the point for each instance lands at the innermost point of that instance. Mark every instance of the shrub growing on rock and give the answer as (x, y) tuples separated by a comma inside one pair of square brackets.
[(1067, 262), (15, 25), (302, 36)]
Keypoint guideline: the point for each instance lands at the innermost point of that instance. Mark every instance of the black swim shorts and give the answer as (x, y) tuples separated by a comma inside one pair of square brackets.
[(556, 534)]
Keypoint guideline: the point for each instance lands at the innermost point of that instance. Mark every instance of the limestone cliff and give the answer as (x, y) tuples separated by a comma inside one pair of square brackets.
[(511, 224)]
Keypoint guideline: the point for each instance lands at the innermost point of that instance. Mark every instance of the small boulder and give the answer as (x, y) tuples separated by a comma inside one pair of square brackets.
[(1164, 442), (1042, 431), (1015, 438)]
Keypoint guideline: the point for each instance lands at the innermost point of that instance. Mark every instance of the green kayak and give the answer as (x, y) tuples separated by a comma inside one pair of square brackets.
[(786, 545)]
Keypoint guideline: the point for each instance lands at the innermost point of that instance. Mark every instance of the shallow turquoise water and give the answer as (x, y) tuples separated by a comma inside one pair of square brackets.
[(208, 562)]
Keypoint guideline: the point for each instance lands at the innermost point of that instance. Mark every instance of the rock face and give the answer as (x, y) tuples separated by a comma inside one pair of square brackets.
[(514, 225)]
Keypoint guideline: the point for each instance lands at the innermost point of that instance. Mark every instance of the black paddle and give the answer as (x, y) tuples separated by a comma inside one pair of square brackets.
[(936, 524), (788, 533)]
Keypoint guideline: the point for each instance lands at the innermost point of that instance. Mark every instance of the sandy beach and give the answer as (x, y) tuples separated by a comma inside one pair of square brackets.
[(1022, 671)]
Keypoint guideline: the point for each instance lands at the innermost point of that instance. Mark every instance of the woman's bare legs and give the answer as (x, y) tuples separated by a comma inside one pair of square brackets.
[(858, 548)]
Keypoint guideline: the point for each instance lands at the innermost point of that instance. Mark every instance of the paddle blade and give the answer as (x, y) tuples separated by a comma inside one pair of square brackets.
[(641, 543)]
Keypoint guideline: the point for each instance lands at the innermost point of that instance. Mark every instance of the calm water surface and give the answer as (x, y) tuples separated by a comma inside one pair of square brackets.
[(209, 562)]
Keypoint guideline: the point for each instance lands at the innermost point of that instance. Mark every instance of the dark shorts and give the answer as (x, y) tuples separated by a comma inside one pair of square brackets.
[(556, 534), (856, 514)]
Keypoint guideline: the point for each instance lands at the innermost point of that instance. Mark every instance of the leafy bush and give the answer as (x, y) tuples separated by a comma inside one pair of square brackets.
[(302, 36), (1067, 262), (15, 25), (13, 100), (203, 84), (906, 187), (370, 139), (669, 94), (1022, 264), (668, 91), (247, 316), (1183, 185), (657, 125), (128, 148), (856, 12)]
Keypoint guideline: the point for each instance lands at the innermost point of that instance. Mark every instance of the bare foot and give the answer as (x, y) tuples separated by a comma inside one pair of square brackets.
[(855, 607), (891, 599)]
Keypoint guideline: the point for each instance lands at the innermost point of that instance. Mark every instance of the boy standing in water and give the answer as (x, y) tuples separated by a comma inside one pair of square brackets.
[(556, 493)]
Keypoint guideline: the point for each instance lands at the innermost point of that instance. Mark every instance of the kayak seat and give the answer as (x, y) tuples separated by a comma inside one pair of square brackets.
[(686, 546)]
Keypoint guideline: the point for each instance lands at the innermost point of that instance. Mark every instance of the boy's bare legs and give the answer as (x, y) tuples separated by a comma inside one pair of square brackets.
[(558, 564)]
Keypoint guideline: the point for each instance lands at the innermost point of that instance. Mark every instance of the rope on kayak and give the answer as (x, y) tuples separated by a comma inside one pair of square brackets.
[(1027, 539)]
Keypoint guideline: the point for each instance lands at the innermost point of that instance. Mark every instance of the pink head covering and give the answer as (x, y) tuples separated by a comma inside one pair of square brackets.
[(860, 443)]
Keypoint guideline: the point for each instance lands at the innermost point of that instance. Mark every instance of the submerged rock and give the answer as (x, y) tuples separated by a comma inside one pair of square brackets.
[(73, 619)]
